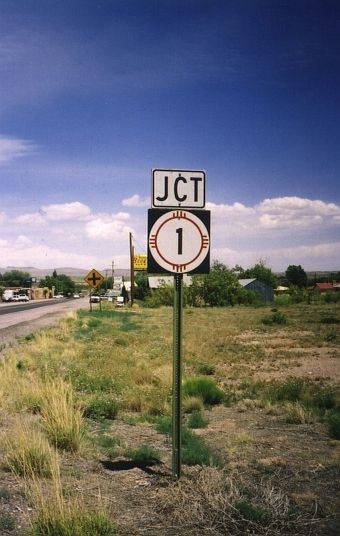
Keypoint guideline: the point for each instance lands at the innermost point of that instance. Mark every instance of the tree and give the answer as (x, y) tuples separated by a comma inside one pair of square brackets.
[(261, 272), (62, 283), (141, 289), (15, 278), (296, 275), (220, 287)]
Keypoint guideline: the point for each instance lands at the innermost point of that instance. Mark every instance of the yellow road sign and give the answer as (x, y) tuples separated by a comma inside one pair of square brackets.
[(140, 262), (94, 278)]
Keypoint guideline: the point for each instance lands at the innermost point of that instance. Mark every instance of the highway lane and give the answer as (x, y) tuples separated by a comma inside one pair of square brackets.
[(8, 308), (18, 320)]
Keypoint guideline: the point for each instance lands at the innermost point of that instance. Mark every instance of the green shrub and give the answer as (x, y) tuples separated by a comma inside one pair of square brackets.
[(196, 420), (333, 423), (275, 318), (290, 390), (7, 522), (101, 407), (252, 513), (196, 452), (205, 388), (145, 453), (80, 524), (206, 368)]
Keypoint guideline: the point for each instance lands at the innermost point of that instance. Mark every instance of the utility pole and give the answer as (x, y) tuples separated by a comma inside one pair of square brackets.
[(112, 272), (132, 274)]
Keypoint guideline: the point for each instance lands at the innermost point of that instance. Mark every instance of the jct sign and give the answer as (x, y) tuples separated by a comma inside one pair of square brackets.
[(177, 188)]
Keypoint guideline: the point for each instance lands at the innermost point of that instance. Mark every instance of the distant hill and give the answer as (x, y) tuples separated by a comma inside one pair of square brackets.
[(74, 273)]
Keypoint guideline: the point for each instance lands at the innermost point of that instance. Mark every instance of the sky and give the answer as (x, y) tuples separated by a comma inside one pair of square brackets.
[(94, 94)]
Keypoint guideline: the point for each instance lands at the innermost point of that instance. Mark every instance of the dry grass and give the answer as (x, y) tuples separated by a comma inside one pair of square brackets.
[(27, 452), (61, 417)]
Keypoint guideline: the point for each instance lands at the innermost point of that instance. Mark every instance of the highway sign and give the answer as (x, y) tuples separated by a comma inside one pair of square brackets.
[(178, 241), (94, 278), (173, 188)]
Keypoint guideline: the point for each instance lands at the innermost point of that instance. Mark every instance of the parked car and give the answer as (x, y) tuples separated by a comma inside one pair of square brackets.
[(58, 296), (23, 297), (120, 301), (15, 297), (76, 296), (95, 298)]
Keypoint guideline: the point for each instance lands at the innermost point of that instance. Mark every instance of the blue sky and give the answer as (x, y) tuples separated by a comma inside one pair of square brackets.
[(96, 93)]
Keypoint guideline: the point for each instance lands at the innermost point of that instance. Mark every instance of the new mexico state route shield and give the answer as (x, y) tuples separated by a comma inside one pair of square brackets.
[(178, 241)]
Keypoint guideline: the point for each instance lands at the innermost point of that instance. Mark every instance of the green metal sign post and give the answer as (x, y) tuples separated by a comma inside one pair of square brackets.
[(177, 376)]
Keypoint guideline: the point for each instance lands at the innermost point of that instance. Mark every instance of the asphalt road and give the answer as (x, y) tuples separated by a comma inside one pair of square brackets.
[(19, 319)]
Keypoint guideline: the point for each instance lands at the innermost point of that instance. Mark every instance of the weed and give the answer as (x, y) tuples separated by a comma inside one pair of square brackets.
[(192, 403), (329, 319), (196, 452), (296, 413), (206, 368), (7, 522), (61, 418), (27, 452), (275, 318), (101, 407), (88, 383), (196, 420), (145, 453), (4, 493), (252, 513), (81, 523), (205, 388), (333, 423)]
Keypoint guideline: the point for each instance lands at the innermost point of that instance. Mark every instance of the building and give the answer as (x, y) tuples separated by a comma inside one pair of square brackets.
[(265, 291)]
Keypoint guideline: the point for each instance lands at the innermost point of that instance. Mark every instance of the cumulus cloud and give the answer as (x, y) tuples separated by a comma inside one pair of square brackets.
[(108, 227), (12, 148), (279, 213), (66, 211), (30, 219), (136, 201)]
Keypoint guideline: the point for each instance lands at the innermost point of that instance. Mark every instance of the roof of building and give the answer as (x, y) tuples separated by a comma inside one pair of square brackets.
[(156, 281), (246, 282), (324, 286)]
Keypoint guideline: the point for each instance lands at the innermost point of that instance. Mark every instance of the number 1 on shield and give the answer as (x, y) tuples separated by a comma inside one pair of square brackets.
[(179, 231)]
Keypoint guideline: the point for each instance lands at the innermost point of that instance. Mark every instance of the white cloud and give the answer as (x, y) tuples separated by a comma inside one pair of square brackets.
[(108, 227), (66, 211), (281, 213), (136, 201), (3, 243), (12, 148), (34, 218), (2, 217)]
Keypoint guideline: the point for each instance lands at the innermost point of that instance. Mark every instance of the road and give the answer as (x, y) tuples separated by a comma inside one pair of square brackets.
[(19, 319)]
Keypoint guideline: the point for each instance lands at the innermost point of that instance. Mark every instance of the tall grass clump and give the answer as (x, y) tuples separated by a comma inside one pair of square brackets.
[(27, 451), (60, 516), (204, 388), (333, 423), (61, 417)]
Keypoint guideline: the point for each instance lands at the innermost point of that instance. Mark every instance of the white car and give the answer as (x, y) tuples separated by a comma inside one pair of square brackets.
[(59, 296), (23, 297)]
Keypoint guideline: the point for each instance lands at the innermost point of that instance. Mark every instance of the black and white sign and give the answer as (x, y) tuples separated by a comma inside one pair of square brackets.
[(174, 188), (178, 241)]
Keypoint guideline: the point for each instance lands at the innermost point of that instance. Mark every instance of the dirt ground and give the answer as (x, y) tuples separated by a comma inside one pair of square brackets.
[(256, 444)]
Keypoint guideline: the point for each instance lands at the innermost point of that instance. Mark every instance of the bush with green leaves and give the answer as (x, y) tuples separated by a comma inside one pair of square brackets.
[(145, 453), (333, 423), (101, 406), (204, 388), (277, 318), (196, 420)]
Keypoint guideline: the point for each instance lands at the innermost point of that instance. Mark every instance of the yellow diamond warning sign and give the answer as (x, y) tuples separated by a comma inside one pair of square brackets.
[(94, 278)]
